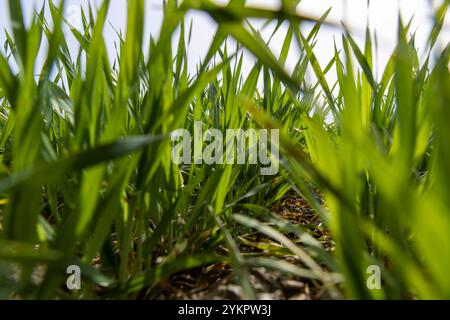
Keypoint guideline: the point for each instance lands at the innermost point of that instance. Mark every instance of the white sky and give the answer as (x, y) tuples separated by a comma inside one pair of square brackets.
[(381, 14)]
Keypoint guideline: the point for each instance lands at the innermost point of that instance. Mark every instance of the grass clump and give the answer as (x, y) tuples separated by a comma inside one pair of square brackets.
[(87, 177)]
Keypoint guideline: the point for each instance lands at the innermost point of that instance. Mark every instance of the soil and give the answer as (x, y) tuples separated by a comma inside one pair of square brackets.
[(218, 281)]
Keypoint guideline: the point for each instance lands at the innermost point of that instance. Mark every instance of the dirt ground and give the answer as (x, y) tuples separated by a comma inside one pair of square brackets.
[(218, 281)]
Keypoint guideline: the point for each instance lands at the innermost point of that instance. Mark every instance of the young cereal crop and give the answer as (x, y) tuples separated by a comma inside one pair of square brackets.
[(88, 182)]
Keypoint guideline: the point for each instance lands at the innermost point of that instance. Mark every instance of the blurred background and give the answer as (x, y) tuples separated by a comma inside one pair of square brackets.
[(380, 15)]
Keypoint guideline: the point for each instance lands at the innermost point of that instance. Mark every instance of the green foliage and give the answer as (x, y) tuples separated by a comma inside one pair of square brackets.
[(87, 176)]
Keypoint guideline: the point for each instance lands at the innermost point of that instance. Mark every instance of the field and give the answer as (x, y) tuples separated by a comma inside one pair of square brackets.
[(359, 207)]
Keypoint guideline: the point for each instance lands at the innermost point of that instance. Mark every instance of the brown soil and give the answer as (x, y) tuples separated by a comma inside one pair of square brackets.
[(218, 281)]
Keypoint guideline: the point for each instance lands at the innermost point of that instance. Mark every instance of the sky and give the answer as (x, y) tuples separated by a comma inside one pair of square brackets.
[(381, 15)]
